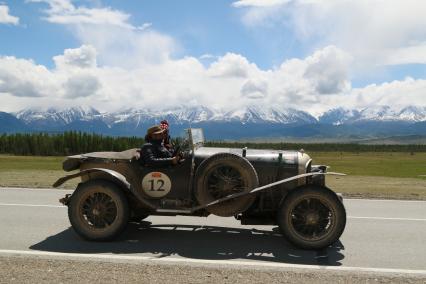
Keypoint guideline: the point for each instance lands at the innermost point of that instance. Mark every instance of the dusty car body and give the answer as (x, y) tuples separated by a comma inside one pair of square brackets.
[(255, 186)]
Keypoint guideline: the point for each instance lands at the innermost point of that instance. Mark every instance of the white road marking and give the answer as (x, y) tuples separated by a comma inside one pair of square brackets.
[(385, 218), (349, 217), (380, 200), (32, 205), (209, 261), (35, 189)]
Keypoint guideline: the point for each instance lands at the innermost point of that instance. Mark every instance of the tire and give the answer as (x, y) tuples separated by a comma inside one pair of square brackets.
[(221, 175), (312, 217), (98, 210)]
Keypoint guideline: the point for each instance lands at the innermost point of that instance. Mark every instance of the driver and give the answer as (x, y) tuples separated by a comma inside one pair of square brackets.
[(153, 152)]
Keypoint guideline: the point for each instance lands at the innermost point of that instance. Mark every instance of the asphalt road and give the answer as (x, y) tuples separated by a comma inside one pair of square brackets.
[(387, 236)]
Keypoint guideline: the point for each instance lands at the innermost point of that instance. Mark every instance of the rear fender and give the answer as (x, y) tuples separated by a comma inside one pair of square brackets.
[(94, 173), (116, 177)]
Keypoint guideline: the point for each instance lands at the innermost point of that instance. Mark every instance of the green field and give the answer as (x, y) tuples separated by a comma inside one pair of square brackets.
[(385, 164), (31, 171), (375, 174)]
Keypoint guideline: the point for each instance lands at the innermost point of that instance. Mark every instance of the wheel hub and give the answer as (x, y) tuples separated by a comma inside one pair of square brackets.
[(223, 181), (96, 212), (99, 210), (312, 218)]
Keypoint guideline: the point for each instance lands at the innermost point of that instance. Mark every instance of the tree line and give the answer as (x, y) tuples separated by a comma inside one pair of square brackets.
[(73, 142), (63, 144)]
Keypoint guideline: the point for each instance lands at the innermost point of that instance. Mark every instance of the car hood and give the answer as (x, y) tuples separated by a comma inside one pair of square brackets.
[(256, 155)]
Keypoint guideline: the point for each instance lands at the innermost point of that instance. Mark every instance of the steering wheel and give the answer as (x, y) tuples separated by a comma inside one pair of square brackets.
[(176, 151)]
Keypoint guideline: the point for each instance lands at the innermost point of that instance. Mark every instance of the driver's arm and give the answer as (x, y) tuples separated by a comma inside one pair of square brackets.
[(149, 158)]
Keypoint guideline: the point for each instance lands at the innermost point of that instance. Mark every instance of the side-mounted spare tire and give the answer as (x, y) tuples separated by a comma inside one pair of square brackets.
[(98, 210), (221, 175)]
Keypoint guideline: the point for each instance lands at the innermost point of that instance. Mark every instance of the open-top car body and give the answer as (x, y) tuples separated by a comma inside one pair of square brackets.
[(255, 186)]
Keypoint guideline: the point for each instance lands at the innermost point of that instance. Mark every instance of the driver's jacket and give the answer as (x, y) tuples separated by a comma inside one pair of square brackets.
[(155, 155)]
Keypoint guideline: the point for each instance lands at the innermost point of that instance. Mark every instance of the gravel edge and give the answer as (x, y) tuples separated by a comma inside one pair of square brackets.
[(20, 269)]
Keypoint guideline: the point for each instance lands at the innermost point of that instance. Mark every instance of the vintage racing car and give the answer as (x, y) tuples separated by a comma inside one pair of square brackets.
[(257, 187)]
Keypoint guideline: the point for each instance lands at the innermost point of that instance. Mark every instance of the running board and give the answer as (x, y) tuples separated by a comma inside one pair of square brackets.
[(257, 189), (177, 211)]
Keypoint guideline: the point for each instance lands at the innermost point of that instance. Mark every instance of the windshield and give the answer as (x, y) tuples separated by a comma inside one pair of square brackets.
[(191, 138), (197, 137)]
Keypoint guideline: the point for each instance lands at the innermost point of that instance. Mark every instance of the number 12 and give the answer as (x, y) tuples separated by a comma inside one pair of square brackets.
[(159, 182)]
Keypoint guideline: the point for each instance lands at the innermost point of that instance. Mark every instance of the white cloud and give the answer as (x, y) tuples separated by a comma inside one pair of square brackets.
[(119, 65), (231, 65), (64, 12), (300, 83), (82, 57), (328, 70), (5, 17), (396, 93), (23, 78), (144, 26), (255, 89), (415, 54), (127, 48), (118, 42), (375, 32), (81, 85)]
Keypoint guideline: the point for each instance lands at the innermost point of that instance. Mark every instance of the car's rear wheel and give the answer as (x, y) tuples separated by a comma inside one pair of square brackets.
[(312, 217), (98, 210), (221, 175)]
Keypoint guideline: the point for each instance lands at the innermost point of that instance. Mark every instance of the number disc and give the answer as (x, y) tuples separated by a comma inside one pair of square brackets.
[(156, 184)]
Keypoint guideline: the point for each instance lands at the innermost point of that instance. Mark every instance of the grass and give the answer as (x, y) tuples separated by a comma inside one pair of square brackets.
[(375, 174), (384, 164), (23, 163), (31, 171)]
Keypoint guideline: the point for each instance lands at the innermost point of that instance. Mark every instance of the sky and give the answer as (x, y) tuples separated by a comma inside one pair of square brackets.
[(311, 55)]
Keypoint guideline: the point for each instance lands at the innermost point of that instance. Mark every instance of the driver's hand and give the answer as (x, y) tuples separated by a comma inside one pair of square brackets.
[(175, 160)]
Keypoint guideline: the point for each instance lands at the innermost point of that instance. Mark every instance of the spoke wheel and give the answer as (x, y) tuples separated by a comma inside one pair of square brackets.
[(224, 180), (312, 217), (98, 210)]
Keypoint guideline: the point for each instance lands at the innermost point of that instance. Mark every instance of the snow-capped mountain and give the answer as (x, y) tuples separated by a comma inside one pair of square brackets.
[(340, 116), (251, 121), (413, 113), (378, 113), (200, 114), (57, 117), (257, 114)]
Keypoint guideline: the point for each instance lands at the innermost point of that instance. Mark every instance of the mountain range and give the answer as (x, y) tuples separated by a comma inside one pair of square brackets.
[(248, 122)]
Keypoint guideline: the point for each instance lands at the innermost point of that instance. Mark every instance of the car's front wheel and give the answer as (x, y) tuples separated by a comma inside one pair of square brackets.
[(98, 210), (312, 217)]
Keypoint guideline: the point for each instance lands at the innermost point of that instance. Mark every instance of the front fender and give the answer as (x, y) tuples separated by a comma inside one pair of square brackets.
[(113, 174)]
